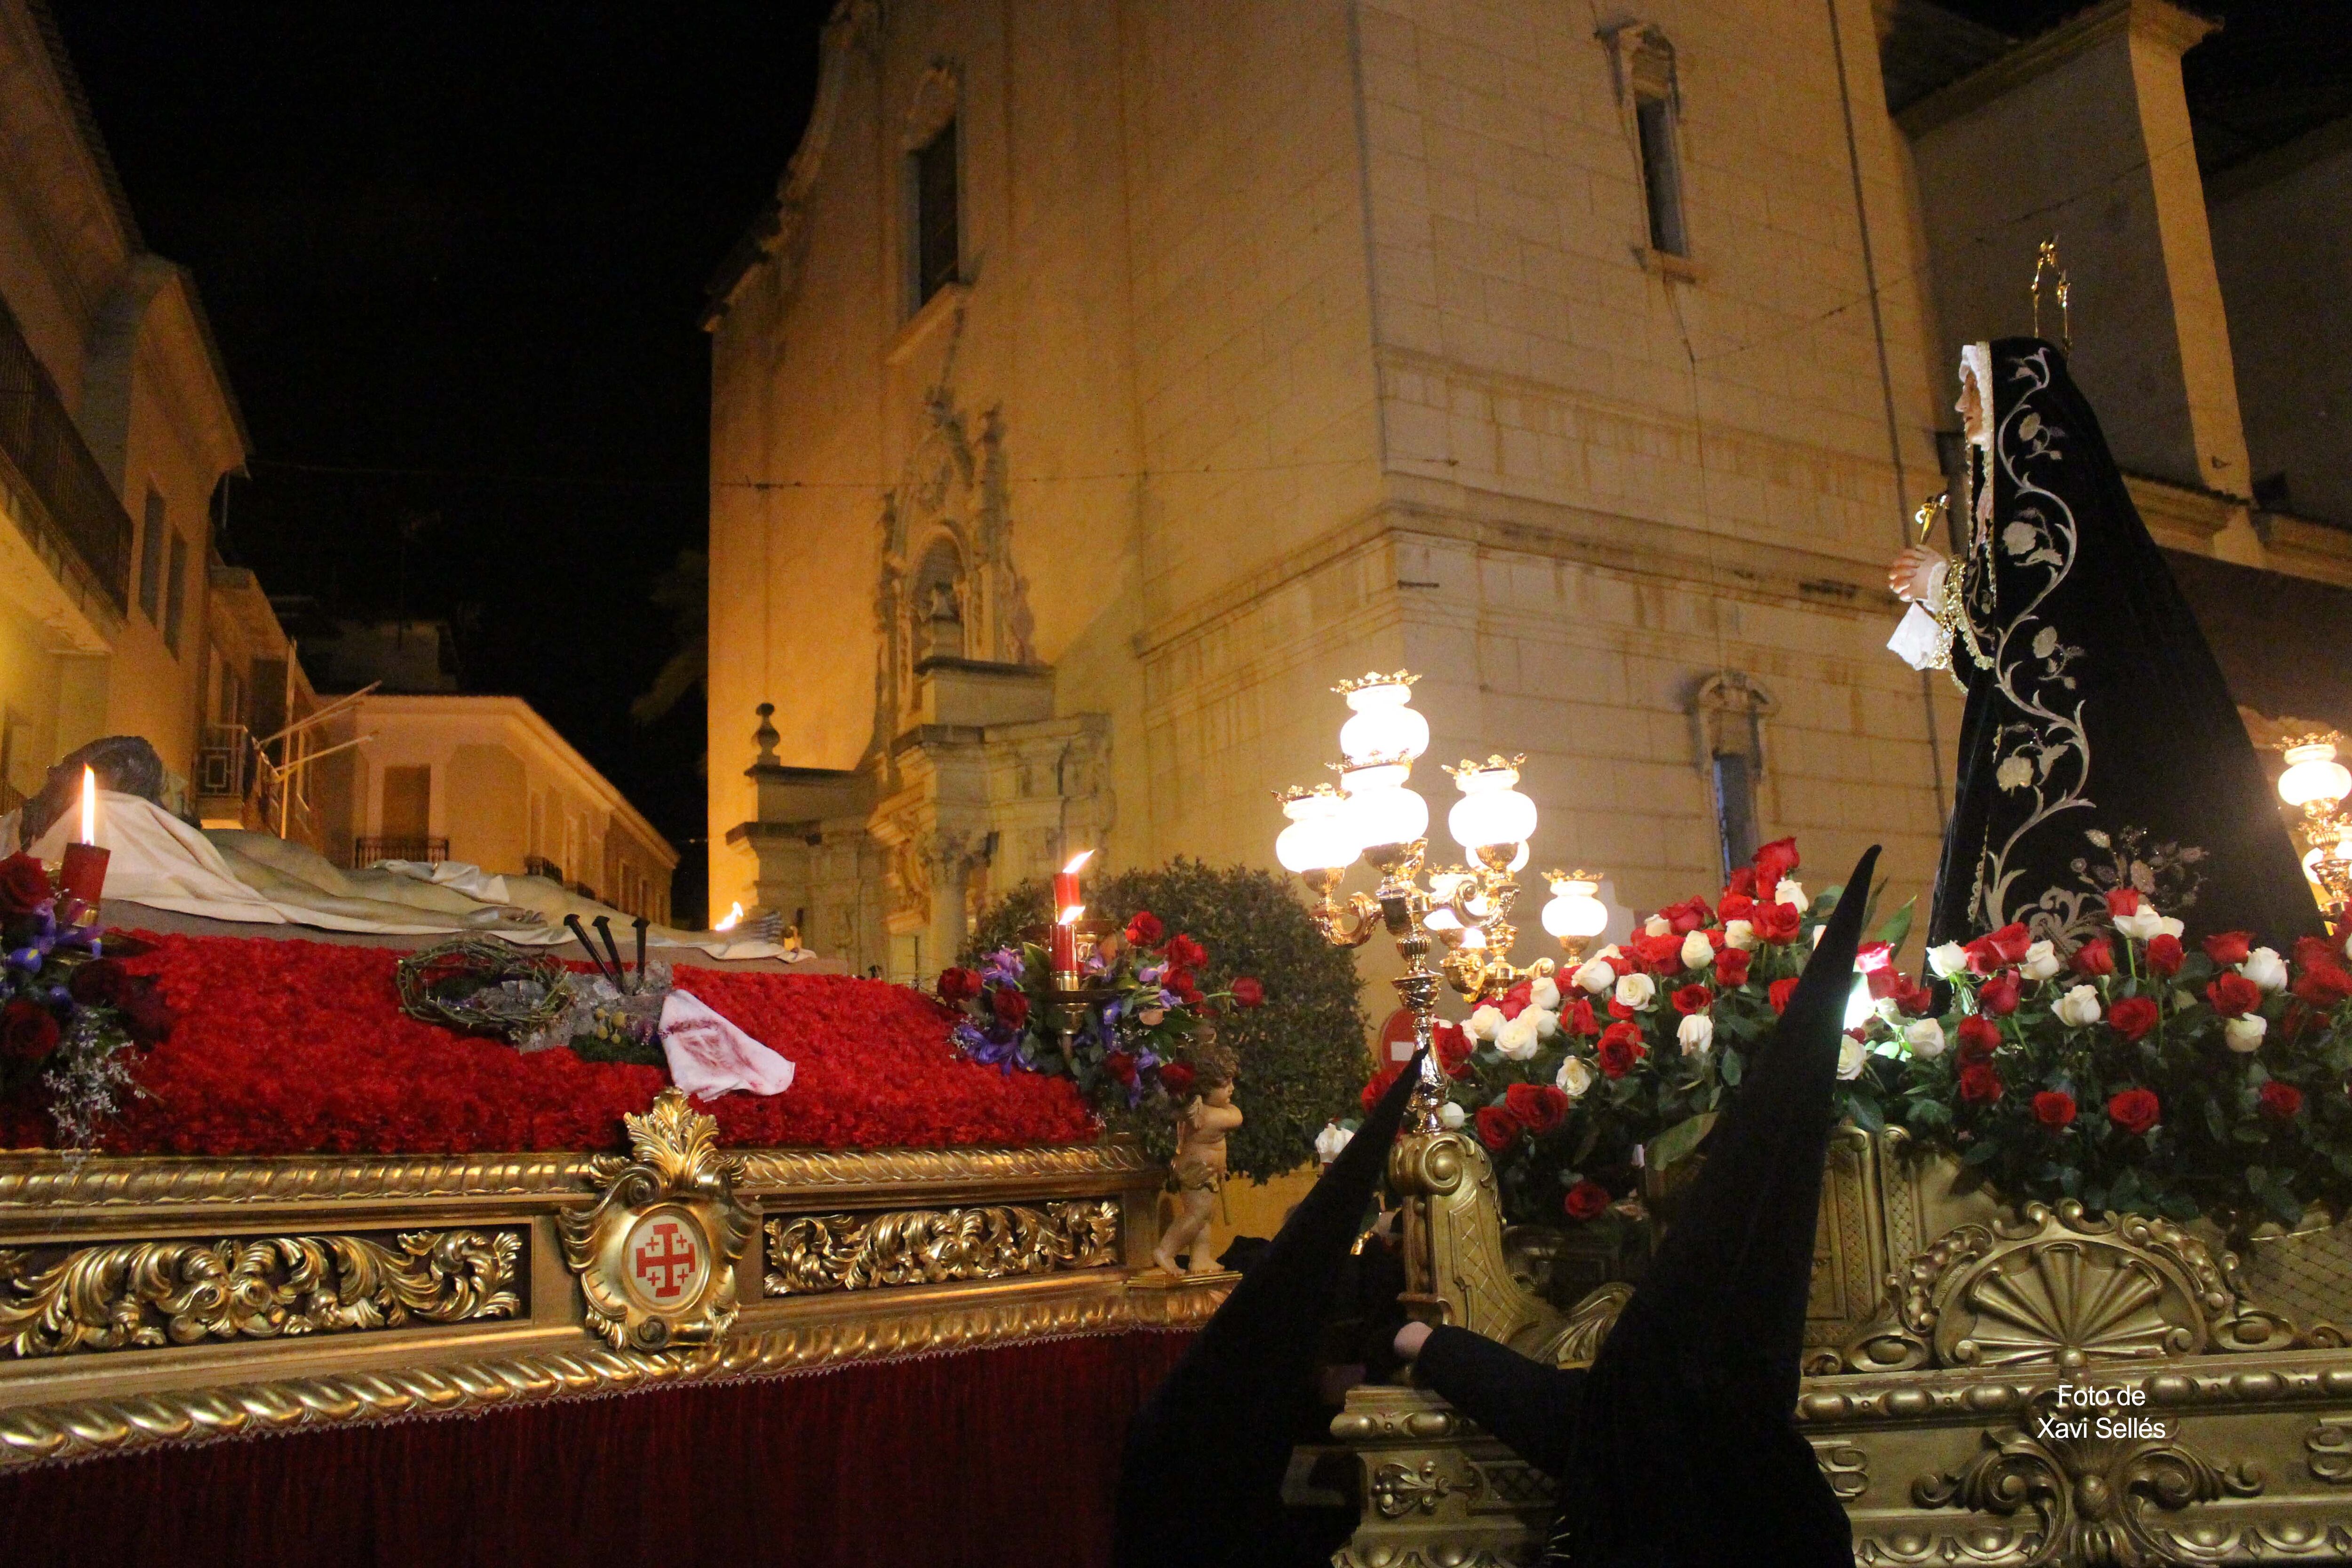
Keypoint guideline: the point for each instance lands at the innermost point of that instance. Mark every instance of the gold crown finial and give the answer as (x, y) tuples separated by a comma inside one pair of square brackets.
[(1374, 677), (2046, 259)]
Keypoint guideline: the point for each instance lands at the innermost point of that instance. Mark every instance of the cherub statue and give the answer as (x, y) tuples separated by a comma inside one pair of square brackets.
[(1199, 1167)]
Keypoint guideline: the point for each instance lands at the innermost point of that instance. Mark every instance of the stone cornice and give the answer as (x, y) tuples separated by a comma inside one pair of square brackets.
[(2157, 20)]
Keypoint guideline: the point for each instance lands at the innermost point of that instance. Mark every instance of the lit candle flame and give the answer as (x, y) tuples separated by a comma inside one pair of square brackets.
[(89, 805), (1069, 917), (1077, 862), (734, 917)]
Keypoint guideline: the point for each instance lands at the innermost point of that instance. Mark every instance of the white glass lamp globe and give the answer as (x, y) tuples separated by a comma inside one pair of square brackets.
[(2313, 774), (1574, 912), (1382, 816), (1316, 839), (1491, 812), (1383, 725)]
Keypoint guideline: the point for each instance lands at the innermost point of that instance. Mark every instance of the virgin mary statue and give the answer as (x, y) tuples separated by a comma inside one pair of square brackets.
[(2100, 748)]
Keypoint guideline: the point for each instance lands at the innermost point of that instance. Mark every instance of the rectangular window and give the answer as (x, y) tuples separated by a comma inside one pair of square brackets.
[(938, 253), (176, 592), (1734, 810), (1662, 184), (151, 558)]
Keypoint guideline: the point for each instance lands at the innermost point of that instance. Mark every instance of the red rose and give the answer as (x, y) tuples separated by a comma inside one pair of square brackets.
[(1915, 999), (1176, 1078), (1979, 1085), (2279, 1102), (2132, 1017), (2165, 955), (1980, 1038), (1585, 1200), (1736, 907), (2311, 952), (1249, 991), (28, 1032), (2227, 947), (1538, 1107), (1779, 992), (22, 884), (1379, 1086), (2323, 986), (1657, 954), (1453, 1046), (2122, 901), (2134, 1111), (1579, 1019), (1982, 956), (1497, 1129), (1998, 995), (1182, 986), (1687, 916), (1775, 922), (1620, 1047), (1517, 999), (1121, 1064), (958, 985), (2012, 942), (1731, 967), (2094, 958), (2233, 996), (2053, 1109), (1693, 999), (146, 1016), (1741, 885), (1183, 952), (1774, 861), (100, 983), (1145, 930), (1010, 1006)]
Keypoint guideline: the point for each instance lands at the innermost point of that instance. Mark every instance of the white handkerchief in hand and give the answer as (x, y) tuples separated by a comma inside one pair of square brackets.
[(1917, 641), (710, 1056)]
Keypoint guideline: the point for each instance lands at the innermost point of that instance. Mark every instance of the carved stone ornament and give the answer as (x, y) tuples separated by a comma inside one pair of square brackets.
[(146, 1294), (813, 1253), (2063, 1289), (2096, 1500), (656, 1254)]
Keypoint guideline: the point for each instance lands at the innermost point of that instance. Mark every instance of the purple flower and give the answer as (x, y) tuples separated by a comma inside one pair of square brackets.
[(1002, 967)]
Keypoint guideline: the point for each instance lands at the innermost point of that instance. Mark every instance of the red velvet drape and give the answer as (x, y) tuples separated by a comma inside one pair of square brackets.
[(992, 1458)]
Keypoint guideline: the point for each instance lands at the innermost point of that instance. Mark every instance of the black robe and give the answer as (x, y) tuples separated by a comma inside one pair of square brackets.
[(2100, 747)]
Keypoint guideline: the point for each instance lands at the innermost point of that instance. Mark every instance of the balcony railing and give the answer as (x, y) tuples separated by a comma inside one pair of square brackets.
[(221, 761), (40, 439), (368, 851)]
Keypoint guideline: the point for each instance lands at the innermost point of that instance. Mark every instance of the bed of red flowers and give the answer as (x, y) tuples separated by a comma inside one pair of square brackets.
[(286, 1047)]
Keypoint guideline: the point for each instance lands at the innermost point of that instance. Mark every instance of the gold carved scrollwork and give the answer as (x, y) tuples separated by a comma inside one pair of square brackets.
[(1472, 1285), (656, 1254), (2096, 1498), (139, 1295), (2330, 1444), (815, 1253), (1846, 1467), (1398, 1488), (2066, 1288)]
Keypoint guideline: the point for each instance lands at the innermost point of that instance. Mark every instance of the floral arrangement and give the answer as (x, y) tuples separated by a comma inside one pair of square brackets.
[(2132, 1073), (69, 1014), (1131, 1043), (2137, 1072)]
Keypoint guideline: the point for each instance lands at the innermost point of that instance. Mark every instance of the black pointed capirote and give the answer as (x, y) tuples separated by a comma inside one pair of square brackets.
[(1201, 1479), (1678, 1448)]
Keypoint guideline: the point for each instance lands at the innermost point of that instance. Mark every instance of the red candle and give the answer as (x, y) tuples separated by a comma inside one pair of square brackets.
[(83, 881), (1065, 944), (1066, 887)]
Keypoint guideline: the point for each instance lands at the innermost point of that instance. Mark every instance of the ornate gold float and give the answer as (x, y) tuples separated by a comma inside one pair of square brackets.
[(148, 1301)]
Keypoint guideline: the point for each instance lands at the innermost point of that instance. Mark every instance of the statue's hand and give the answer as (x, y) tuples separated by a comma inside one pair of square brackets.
[(1409, 1339), (1911, 574)]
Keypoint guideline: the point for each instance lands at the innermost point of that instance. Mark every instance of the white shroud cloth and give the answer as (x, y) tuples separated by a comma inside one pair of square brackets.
[(710, 1056)]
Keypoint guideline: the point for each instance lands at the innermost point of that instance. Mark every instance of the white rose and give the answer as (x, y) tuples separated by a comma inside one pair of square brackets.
[(1331, 1141), (1482, 1022), (1948, 960), (1517, 1038), (2246, 1034), (1575, 1076), (2079, 1008), (1698, 952), (1612, 953), (2041, 961), (1636, 990), (2143, 924), (1545, 993), (1547, 1021), (1790, 891), (1925, 1038), (1698, 1033), (1852, 1054), (2183, 1000), (1451, 1116), (1657, 925), (2265, 969), (2166, 926), (1596, 976), (1741, 934)]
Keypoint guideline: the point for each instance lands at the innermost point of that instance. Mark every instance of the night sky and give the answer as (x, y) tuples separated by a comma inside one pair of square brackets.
[(455, 257)]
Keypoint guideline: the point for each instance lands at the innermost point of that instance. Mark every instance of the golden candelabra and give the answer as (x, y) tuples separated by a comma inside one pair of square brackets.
[(2315, 783)]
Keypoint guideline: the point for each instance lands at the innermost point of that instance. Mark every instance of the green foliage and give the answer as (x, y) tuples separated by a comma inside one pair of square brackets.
[(1302, 1054)]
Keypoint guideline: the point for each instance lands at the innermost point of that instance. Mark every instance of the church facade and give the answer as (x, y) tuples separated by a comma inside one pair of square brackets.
[(1108, 381)]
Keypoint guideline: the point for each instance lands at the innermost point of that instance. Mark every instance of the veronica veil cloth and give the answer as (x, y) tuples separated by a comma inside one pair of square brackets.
[(2100, 747)]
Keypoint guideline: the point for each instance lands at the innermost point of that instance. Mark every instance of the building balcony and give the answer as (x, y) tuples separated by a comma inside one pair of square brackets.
[(367, 851), (76, 523)]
